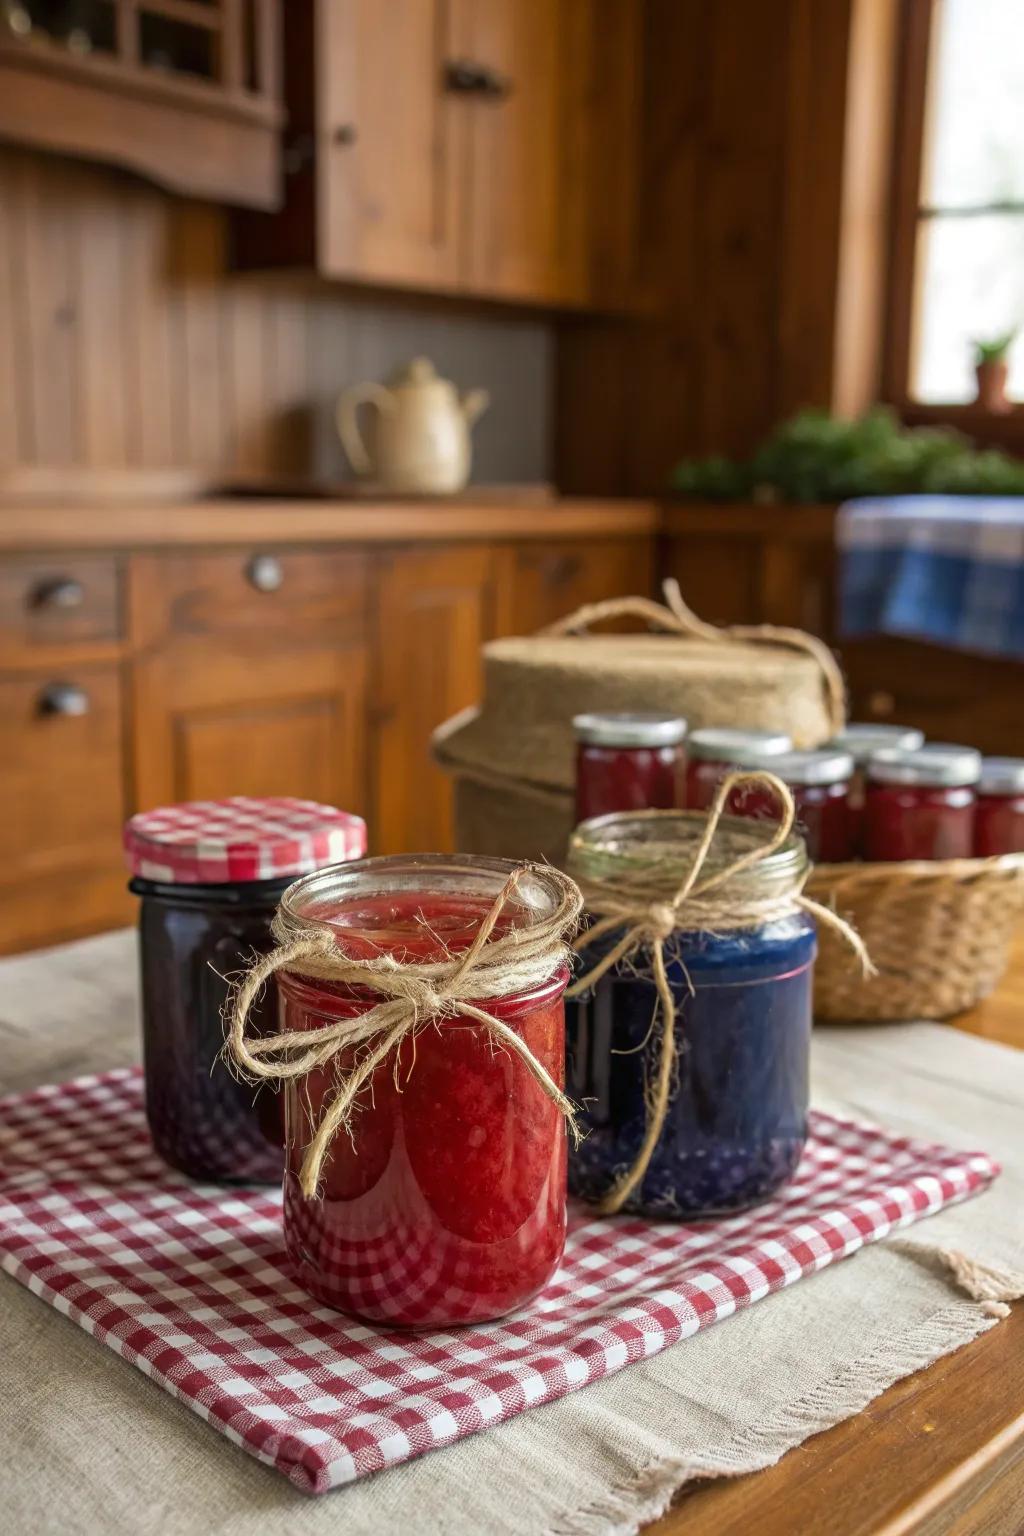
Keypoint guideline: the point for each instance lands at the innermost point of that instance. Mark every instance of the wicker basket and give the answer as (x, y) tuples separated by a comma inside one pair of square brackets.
[(938, 933)]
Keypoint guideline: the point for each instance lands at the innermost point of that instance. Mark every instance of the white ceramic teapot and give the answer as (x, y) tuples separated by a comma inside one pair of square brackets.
[(422, 439)]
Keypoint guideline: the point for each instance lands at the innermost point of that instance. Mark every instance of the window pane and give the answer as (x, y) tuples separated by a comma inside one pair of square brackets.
[(977, 104), (971, 273)]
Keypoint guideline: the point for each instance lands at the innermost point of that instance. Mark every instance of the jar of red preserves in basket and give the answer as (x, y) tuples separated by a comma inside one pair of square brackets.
[(920, 805), (862, 741), (629, 762), (820, 785), (717, 751), (999, 814), (446, 1203), (210, 874)]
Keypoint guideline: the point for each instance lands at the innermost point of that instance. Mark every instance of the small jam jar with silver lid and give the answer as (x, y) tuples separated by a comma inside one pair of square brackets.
[(629, 762), (863, 741), (210, 874), (718, 750), (920, 804), (820, 784), (999, 814)]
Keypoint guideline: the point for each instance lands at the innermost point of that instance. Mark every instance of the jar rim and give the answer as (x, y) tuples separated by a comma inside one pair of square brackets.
[(940, 764), (728, 744), (537, 894), (629, 728), (627, 844)]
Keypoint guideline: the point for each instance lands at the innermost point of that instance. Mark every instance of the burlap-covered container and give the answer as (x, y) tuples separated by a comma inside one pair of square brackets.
[(513, 757), (938, 934)]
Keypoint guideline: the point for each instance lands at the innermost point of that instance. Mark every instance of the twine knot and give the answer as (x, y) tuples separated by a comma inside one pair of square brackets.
[(402, 997), (702, 902), (662, 920)]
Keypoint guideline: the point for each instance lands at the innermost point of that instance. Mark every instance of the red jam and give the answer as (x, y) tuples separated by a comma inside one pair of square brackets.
[(820, 785), (920, 805), (629, 762), (718, 751), (447, 1203), (999, 814)]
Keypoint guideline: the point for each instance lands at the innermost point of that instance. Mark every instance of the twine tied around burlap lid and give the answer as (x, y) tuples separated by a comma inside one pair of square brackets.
[(412, 995), (649, 909), (675, 617)]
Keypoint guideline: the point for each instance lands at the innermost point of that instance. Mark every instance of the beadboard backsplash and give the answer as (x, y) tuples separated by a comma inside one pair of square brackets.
[(126, 342)]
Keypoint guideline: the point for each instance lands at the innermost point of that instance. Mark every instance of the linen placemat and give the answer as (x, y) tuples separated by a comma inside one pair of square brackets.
[(190, 1283)]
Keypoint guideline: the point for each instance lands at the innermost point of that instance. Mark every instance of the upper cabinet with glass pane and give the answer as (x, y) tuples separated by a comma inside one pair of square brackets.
[(184, 92)]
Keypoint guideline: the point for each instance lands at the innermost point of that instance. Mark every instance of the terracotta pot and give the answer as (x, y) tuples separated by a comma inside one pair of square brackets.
[(991, 378)]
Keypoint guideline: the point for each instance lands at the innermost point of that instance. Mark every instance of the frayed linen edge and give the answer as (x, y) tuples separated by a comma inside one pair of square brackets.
[(627, 1506)]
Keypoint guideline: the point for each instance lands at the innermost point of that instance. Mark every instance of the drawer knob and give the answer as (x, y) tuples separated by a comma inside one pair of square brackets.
[(63, 699), (881, 704), (265, 573), (64, 592)]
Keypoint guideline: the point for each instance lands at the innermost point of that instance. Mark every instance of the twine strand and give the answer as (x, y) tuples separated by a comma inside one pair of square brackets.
[(411, 995), (648, 922)]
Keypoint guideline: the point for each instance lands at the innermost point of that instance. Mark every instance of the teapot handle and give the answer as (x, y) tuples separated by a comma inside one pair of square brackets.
[(348, 423)]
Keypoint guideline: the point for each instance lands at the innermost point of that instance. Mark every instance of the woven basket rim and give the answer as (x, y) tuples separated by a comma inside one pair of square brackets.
[(1000, 866)]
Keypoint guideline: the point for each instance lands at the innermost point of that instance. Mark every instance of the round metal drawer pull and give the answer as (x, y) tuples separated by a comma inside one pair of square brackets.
[(62, 592), (63, 699), (265, 573)]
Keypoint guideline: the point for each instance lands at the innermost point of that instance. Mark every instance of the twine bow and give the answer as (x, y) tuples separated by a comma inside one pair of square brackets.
[(701, 903), (412, 995)]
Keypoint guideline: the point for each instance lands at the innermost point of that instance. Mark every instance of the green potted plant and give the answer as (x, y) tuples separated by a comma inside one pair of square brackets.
[(991, 368)]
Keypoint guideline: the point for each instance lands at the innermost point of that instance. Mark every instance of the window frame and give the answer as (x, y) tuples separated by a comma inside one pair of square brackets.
[(917, 36)]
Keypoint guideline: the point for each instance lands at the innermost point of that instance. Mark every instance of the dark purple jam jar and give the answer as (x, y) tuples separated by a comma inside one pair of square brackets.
[(737, 1116), (210, 874)]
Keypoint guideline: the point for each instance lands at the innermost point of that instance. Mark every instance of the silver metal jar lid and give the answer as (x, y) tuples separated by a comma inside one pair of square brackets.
[(1001, 776), (724, 744), (865, 739), (940, 763), (627, 729), (824, 767)]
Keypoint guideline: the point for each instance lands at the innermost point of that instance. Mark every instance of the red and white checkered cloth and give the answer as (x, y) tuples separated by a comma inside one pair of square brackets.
[(190, 1283)]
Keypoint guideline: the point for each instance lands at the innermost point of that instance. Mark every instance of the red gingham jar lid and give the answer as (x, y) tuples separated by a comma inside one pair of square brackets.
[(221, 842)]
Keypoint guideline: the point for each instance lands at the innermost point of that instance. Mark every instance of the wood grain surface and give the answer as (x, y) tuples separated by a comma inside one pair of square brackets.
[(940, 1454)]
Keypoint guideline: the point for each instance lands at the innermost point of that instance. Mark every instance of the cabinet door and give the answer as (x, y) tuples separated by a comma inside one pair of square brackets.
[(61, 782), (525, 211), (540, 583), (434, 612), (388, 164), (234, 715)]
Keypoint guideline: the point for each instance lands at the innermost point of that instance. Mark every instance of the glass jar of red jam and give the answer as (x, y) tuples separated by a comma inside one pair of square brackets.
[(447, 1204), (920, 804), (629, 762), (210, 874), (862, 741), (999, 814), (717, 751), (820, 785)]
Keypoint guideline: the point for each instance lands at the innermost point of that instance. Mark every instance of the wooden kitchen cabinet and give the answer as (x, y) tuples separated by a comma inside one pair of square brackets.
[(251, 678), (434, 610), (539, 583), (185, 94), (457, 146)]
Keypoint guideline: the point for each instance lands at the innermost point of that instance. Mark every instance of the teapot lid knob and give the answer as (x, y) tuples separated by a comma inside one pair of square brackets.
[(420, 371)]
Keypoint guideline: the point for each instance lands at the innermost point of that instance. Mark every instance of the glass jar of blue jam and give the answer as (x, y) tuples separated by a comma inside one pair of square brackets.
[(210, 874), (736, 1120)]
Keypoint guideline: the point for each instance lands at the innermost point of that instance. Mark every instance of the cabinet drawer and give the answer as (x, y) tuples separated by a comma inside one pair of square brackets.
[(61, 773), (261, 589), (49, 604)]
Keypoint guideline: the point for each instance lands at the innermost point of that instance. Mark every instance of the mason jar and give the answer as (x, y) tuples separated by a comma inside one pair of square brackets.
[(736, 1120), (446, 1203), (210, 874)]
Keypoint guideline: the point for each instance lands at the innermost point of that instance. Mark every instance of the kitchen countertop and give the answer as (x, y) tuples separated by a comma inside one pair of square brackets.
[(227, 521)]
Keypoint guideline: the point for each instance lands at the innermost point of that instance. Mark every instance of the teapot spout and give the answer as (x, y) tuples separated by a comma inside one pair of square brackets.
[(473, 404)]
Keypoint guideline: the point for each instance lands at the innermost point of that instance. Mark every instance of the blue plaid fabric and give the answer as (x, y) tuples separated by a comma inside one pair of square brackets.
[(949, 569)]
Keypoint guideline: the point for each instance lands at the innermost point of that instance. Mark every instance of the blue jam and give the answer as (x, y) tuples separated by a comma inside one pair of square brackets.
[(737, 1118)]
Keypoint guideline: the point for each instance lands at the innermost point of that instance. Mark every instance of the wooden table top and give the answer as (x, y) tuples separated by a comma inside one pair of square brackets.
[(940, 1452)]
